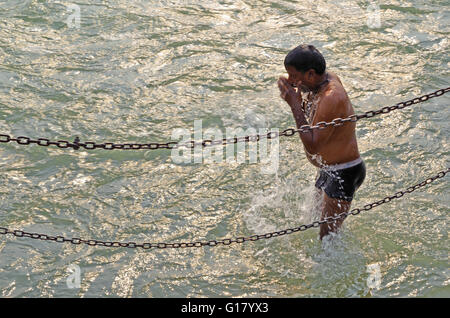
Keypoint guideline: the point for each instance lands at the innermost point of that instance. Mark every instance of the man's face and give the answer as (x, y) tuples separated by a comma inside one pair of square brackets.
[(295, 76)]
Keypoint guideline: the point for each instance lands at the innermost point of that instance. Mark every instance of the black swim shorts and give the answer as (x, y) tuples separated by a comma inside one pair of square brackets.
[(342, 183)]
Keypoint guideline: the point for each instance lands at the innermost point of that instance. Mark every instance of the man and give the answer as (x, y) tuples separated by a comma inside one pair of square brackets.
[(314, 95)]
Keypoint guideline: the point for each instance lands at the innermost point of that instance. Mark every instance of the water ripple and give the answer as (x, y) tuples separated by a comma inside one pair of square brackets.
[(135, 71)]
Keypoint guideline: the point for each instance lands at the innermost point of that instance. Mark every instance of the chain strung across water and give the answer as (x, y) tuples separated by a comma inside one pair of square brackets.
[(76, 144), (356, 211)]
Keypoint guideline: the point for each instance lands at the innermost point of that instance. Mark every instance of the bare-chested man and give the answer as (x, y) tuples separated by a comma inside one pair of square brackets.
[(314, 95)]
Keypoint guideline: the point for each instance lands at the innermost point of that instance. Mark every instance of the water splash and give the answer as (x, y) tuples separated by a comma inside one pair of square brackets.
[(285, 204)]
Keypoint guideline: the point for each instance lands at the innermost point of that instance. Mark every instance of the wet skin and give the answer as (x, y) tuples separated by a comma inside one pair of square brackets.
[(334, 145)]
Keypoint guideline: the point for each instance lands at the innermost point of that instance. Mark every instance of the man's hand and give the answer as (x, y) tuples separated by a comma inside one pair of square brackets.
[(289, 94)]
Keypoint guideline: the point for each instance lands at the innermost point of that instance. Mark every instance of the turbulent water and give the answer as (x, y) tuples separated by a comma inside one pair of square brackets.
[(136, 71)]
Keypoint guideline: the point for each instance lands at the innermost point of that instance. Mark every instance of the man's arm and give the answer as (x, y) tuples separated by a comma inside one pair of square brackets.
[(327, 110), (315, 139)]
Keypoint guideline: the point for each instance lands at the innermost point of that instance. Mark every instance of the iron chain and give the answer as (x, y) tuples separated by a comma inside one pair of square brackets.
[(228, 241), (76, 144)]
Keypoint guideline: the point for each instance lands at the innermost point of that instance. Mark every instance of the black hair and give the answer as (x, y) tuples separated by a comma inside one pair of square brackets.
[(305, 57)]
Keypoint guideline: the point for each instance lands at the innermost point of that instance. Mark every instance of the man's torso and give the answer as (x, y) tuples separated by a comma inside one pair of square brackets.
[(342, 146)]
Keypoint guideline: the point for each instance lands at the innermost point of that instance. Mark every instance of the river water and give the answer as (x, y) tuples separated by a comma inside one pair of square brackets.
[(135, 71)]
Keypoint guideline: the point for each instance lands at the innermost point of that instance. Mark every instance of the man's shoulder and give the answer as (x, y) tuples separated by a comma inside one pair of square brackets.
[(334, 102), (335, 95)]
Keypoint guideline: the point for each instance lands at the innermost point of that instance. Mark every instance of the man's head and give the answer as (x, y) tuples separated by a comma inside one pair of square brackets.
[(305, 63)]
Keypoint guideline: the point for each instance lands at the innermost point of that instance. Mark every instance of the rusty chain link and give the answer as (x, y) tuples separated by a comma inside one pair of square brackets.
[(228, 241), (89, 145)]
